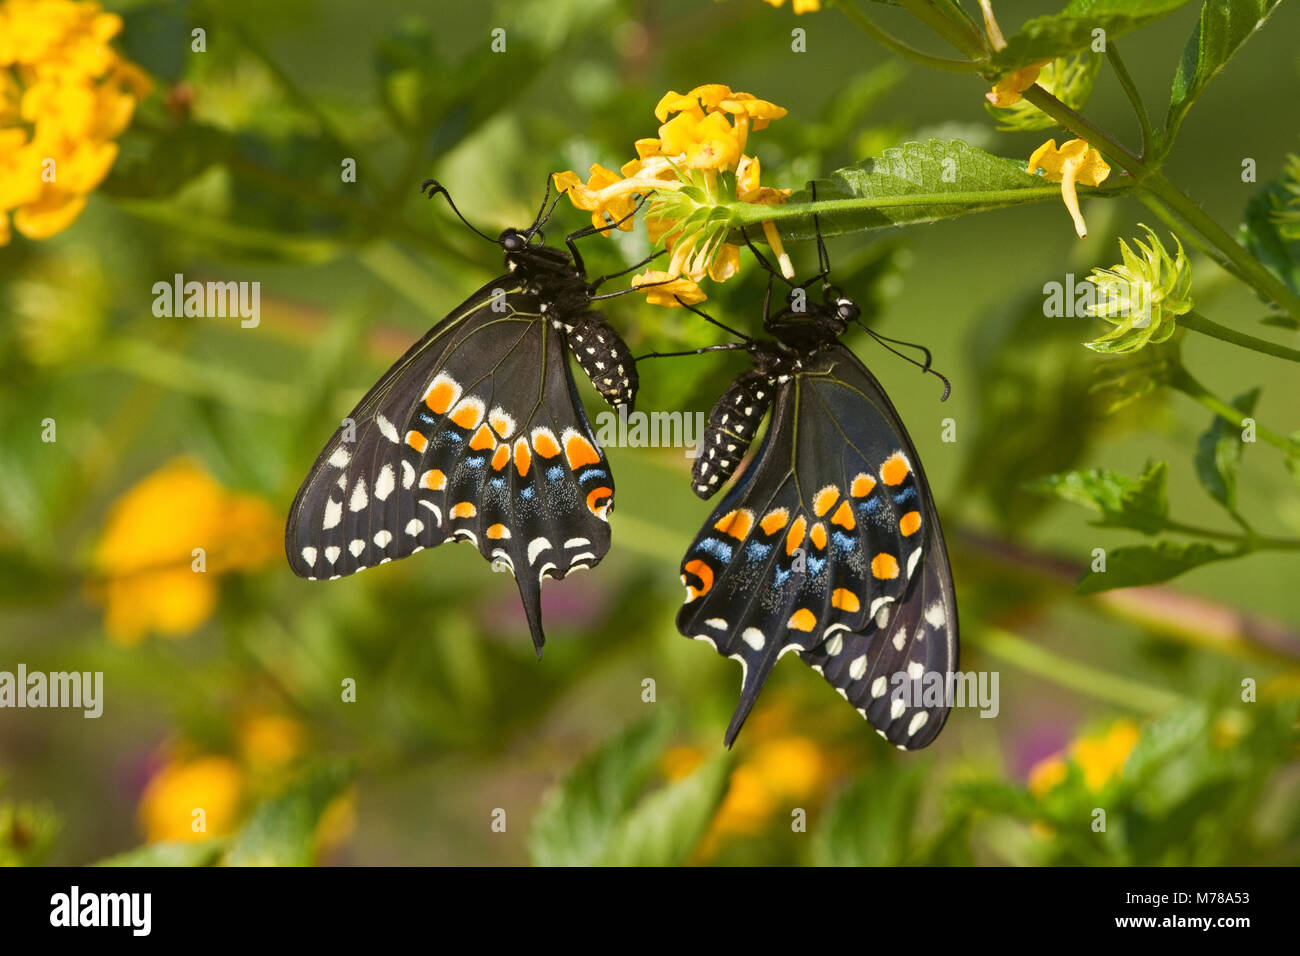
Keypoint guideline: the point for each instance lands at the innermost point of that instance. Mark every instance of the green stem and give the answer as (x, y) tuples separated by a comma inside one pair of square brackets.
[(962, 34), (886, 39), (1199, 323), (1130, 89), (1179, 229), (1248, 541), (1183, 381), (744, 214), (1065, 672)]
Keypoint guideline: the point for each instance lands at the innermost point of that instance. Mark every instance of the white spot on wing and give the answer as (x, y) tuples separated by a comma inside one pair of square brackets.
[(309, 555), (358, 499), (879, 686), (414, 527), (918, 721), (382, 537), (340, 458), (356, 547), (332, 553), (935, 615), (754, 638), (858, 667), (536, 547), (387, 429), (333, 514), (385, 483)]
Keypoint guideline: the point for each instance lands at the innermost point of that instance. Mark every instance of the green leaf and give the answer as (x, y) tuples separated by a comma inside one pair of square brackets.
[(912, 183), (282, 830), (1270, 240), (871, 822), (578, 817), (1120, 501), (667, 825), (1149, 564), (199, 853), (1224, 26), (1219, 450), (1071, 30)]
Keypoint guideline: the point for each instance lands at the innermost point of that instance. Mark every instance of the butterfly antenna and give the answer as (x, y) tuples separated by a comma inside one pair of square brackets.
[(884, 340), (431, 188), (543, 214), (708, 318), (823, 257), (725, 347)]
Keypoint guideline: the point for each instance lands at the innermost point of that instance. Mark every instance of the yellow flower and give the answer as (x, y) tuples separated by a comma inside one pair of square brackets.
[(703, 141), (1075, 161), (64, 96), (270, 741), (663, 288), (1046, 775), (337, 822), (782, 771), (151, 578), (211, 784), (1008, 90), (1103, 756)]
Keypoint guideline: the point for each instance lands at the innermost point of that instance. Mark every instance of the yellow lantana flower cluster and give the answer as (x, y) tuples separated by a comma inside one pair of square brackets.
[(696, 164), (1099, 758), (65, 95), (150, 577)]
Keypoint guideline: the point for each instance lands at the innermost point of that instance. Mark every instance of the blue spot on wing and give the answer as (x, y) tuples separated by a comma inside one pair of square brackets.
[(527, 492), (554, 473), (593, 473), (843, 541), (815, 565), (716, 547), (497, 482), (757, 551), (906, 495)]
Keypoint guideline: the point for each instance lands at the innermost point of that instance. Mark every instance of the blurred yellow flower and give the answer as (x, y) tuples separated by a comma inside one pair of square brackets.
[(337, 822), (65, 95), (1102, 757), (1075, 161), (270, 741), (211, 784), (783, 770), (798, 6), (150, 577), (702, 138), (663, 288), (1046, 775)]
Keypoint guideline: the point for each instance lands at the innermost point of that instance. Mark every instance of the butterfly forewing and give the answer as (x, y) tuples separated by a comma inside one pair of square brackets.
[(476, 434), (821, 544)]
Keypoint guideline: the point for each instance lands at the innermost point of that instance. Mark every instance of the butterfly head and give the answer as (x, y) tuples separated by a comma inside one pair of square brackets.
[(513, 241)]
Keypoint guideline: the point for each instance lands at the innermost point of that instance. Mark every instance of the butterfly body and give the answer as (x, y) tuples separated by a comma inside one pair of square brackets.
[(828, 543), (477, 434)]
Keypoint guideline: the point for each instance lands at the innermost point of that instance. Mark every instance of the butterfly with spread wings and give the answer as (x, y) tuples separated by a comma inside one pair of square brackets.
[(828, 544), (477, 434)]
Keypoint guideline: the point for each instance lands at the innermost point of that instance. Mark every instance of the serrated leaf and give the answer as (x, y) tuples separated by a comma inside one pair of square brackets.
[(282, 830), (1134, 566), (1219, 450), (1047, 37), (578, 817), (1119, 501), (1224, 26), (667, 825), (870, 823), (198, 853), (915, 183)]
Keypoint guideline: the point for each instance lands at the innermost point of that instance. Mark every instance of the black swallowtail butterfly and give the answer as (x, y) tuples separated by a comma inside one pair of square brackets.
[(477, 434), (828, 544)]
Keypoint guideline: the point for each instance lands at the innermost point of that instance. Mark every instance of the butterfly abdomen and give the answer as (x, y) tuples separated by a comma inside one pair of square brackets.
[(731, 427), (605, 357)]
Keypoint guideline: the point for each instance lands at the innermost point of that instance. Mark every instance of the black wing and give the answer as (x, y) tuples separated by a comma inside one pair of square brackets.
[(475, 434), (829, 545)]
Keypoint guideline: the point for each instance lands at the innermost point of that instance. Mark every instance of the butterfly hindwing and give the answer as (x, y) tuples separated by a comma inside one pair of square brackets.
[(822, 543), (476, 434)]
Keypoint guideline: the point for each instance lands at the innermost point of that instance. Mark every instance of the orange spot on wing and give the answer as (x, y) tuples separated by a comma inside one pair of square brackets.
[(824, 499), (884, 566), (702, 571), (802, 620), (498, 531), (862, 485), (500, 424), (417, 441), (544, 444), (441, 396), (482, 439), (774, 521), (818, 536), (894, 470), (467, 414), (909, 522), (737, 524), (523, 457), (580, 452), (500, 459), (463, 509), (844, 517), (794, 537), (845, 600), (434, 480), (593, 500)]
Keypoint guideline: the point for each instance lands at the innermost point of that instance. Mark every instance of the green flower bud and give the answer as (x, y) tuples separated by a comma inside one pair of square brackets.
[(1069, 79), (1142, 296)]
